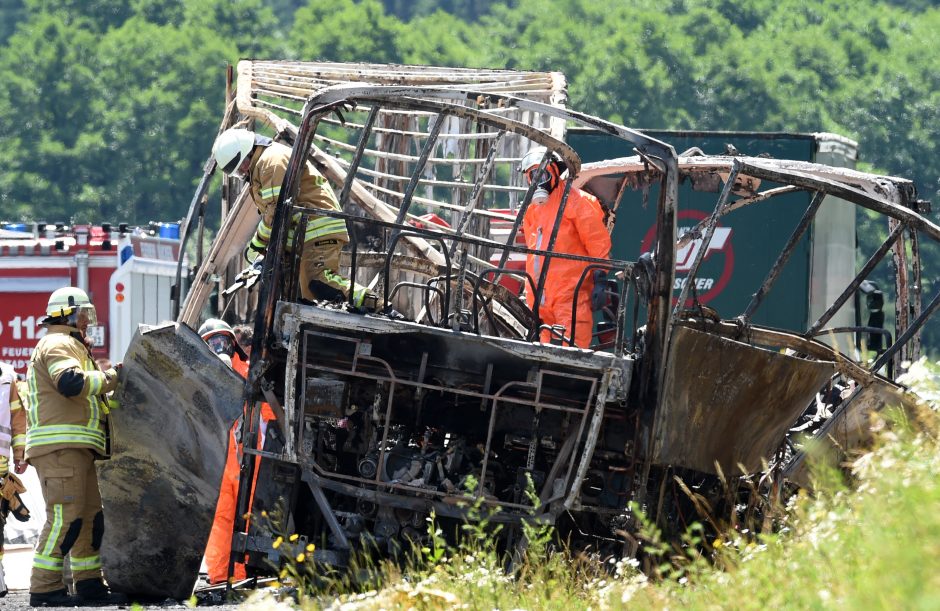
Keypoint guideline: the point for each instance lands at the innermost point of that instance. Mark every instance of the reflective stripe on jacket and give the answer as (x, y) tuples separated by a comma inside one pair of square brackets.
[(267, 175), (56, 421)]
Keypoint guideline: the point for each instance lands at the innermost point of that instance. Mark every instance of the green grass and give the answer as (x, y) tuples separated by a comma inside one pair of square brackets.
[(867, 541)]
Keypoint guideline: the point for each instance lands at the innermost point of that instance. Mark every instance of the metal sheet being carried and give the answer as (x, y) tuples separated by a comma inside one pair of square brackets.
[(169, 436), (729, 402)]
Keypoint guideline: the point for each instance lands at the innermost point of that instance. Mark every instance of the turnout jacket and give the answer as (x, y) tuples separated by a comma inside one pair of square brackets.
[(66, 407), (12, 419), (266, 176)]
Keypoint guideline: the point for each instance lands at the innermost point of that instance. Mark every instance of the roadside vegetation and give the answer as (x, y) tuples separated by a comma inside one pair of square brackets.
[(868, 536)]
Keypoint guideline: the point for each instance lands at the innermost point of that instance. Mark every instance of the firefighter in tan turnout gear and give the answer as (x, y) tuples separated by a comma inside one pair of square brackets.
[(12, 436), (67, 415), (263, 163)]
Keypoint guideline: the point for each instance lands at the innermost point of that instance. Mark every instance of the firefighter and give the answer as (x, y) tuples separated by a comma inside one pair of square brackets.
[(263, 163), (582, 232), (221, 338), (67, 431), (12, 436)]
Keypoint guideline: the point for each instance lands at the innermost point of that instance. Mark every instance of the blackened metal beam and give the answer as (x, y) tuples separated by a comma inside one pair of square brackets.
[(474, 197), (853, 286), (908, 333), (707, 237)]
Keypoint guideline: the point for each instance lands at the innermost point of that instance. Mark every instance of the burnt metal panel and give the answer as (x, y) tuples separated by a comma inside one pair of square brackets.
[(849, 430), (178, 401), (729, 402)]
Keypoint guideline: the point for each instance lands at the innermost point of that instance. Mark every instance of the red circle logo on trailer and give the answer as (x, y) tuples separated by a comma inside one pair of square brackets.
[(710, 281)]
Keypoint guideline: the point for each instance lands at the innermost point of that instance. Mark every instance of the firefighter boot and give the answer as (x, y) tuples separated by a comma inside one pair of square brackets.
[(56, 598), (93, 592)]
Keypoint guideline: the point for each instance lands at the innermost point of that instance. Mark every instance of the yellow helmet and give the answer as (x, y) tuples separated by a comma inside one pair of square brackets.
[(72, 304)]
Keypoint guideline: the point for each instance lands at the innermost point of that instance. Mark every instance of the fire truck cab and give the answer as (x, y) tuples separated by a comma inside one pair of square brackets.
[(128, 273)]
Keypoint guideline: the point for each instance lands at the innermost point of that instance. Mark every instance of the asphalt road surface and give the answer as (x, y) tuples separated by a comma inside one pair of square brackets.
[(17, 563)]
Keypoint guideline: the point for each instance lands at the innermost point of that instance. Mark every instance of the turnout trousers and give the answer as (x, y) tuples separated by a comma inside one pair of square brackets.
[(319, 273), (74, 520)]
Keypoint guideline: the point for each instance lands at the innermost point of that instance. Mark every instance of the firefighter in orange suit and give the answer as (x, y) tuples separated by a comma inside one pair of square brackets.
[(221, 338), (248, 156), (582, 232), (67, 431), (12, 437)]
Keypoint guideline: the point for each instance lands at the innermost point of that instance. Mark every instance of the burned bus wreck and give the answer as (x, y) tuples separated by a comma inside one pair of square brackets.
[(452, 400), (445, 399)]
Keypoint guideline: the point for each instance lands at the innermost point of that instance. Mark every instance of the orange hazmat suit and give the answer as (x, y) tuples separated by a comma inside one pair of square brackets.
[(582, 232)]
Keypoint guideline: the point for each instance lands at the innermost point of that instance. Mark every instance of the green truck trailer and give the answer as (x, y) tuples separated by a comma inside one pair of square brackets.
[(745, 246)]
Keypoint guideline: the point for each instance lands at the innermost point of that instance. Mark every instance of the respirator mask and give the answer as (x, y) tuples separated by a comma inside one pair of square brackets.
[(543, 185)]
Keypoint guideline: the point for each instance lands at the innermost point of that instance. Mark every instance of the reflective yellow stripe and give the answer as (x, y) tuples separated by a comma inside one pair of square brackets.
[(48, 563), (15, 405), (19, 440), (65, 433), (270, 192), (87, 563), (359, 292), (263, 231), (95, 380), (54, 532), (336, 278), (323, 226), (62, 365), (258, 241), (32, 405)]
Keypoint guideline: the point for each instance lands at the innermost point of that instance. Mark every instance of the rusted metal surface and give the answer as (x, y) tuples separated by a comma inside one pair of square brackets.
[(850, 428), (507, 380), (386, 419), (729, 403), (169, 439)]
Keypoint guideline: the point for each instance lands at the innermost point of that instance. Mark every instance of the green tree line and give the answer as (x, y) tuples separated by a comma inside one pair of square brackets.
[(108, 108)]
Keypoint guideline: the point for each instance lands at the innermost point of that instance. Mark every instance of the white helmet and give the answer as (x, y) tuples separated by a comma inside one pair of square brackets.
[(72, 304), (547, 179), (532, 159), (221, 338), (231, 148)]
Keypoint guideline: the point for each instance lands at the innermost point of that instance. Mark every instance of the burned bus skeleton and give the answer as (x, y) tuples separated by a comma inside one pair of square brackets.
[(451, 402)]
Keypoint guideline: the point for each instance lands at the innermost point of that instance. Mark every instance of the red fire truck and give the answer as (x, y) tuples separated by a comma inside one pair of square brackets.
[(127, 272)]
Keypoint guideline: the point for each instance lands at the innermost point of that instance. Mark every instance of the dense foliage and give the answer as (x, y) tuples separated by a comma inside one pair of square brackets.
[(108, 107)]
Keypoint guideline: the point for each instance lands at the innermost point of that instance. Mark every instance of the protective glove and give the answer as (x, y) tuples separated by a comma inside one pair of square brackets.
[(599, 294), (10, 499)]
